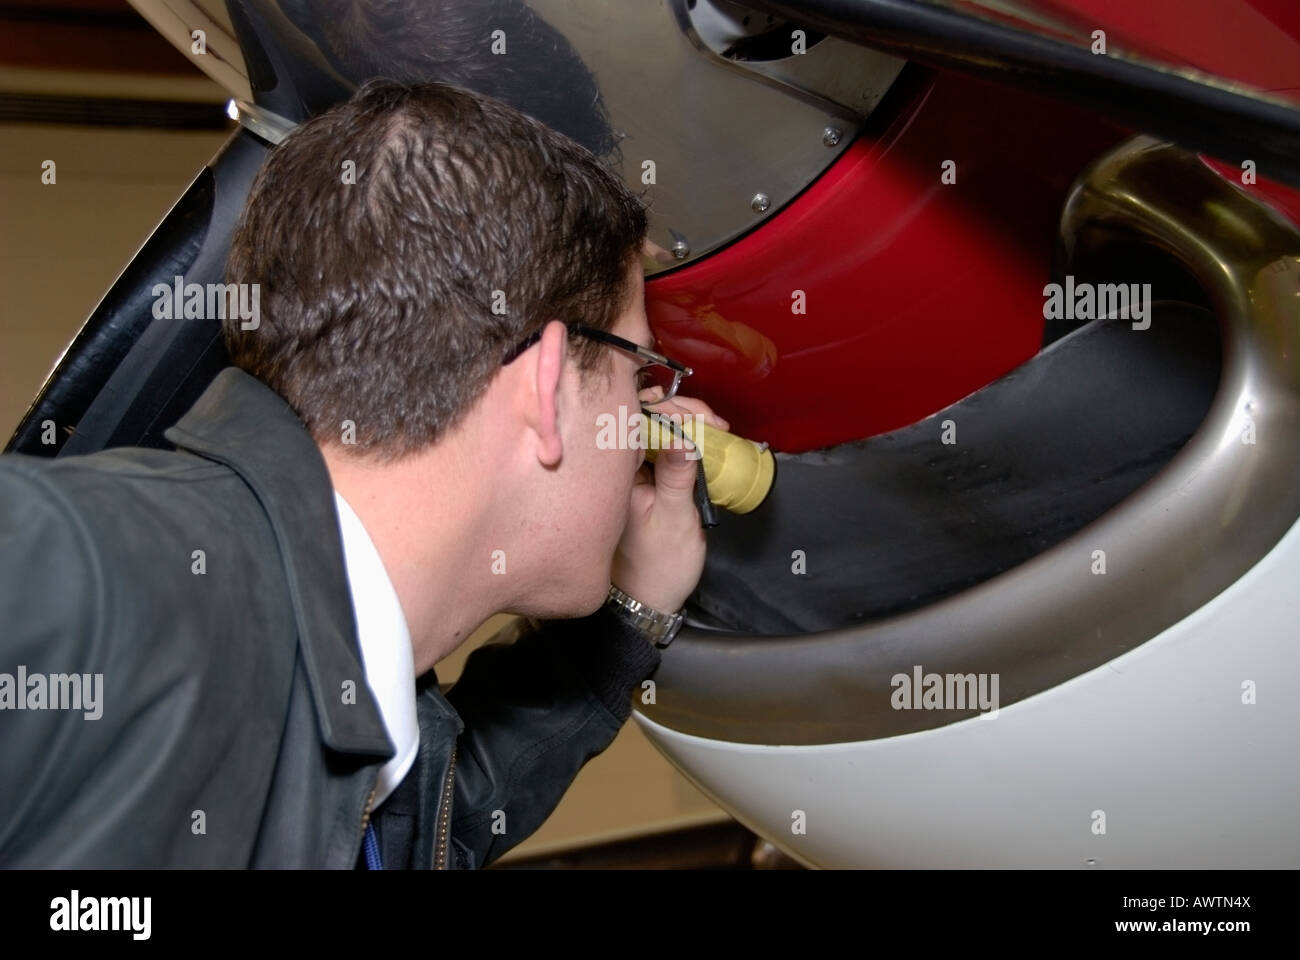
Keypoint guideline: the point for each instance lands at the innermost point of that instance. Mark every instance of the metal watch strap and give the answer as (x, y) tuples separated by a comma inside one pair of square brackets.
[(659, 626)]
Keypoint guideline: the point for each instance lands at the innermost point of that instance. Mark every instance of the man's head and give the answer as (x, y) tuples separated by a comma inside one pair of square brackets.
[(404, 242)]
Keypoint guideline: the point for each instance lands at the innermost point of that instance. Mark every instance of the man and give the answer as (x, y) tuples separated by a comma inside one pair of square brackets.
[(215, 649)]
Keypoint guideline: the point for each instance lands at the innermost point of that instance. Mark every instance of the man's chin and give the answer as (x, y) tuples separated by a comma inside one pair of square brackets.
[(592, 601), (572, 606)]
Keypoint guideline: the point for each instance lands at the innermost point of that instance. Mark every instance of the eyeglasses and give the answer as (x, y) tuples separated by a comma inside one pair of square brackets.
[(658, 371)]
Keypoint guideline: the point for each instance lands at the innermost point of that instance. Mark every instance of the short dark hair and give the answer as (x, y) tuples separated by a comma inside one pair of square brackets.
[(377, 296)]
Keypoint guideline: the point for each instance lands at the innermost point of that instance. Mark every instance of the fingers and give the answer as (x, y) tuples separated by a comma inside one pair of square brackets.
[(700, 408), (688, 406)]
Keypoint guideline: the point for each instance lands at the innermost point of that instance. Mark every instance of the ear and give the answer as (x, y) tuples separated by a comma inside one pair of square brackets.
[(545, 419)]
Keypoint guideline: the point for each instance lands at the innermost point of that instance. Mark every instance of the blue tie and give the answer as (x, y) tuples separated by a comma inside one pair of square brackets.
[(371, 844)]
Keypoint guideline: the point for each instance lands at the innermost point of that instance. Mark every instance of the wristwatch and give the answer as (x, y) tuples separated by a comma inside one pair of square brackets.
[(660, 627)]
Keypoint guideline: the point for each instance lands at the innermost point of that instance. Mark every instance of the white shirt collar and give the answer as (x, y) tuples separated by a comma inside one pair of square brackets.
[(385, 646)]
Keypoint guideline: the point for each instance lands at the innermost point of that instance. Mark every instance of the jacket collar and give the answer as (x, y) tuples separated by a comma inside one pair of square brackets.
[(242, 423)]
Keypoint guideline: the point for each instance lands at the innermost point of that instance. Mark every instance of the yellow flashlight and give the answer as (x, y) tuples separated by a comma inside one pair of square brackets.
[(739, 472)]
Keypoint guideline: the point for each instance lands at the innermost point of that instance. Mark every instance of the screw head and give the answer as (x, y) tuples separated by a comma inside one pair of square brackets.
[(760, 202), (681, 249), (831, 136)]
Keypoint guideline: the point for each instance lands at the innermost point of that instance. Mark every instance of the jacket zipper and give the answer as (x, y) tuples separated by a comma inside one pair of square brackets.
[(365, 814), (444, 813)]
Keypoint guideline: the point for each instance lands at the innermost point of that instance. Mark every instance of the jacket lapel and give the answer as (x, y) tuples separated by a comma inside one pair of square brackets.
[(244, 424)]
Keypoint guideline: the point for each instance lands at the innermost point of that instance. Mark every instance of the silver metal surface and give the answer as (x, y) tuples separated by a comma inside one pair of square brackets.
[(271, 127), (830, 72), (717, 131), (1215, 509)]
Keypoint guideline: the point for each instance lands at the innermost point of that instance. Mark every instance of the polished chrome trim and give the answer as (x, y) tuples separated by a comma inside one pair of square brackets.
[(271, 127), (1215, 509)]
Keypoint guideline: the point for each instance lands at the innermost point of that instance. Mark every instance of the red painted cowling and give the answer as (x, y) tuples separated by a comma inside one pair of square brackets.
[(915, 292)]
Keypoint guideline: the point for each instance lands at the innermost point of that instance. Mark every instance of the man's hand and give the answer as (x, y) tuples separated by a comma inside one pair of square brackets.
[(661, 556)]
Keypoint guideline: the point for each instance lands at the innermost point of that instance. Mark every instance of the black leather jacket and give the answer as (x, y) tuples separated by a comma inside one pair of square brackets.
[(206, 586)]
